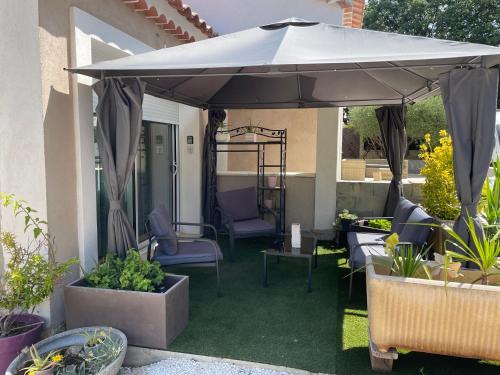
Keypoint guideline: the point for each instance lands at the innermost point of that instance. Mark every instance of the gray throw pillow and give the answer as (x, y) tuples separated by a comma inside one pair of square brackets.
[(161, 226)]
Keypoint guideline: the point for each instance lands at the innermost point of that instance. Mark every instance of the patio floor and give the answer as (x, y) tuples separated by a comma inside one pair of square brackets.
[(283, 325)]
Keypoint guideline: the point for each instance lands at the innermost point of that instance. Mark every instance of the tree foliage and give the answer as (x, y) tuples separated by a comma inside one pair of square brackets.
[(439, 192), (475, 21), (425, 117)]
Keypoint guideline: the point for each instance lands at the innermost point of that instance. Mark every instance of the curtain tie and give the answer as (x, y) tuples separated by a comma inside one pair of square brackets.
[(468, 209), (115, 205)]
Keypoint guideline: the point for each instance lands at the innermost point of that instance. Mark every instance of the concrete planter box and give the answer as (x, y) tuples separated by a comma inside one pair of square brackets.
[(422, 315), (151, 320)]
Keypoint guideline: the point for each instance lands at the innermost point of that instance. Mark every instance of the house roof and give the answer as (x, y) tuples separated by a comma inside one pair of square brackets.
[(161, 19)]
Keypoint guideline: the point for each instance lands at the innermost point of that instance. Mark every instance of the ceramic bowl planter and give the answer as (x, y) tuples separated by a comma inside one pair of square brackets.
[(250, 137), (271, 181), (11, 346), (75, 337), (222, 137), (151, 320), (422, 315)]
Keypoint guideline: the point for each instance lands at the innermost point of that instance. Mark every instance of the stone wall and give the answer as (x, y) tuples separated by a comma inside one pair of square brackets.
[(367, 198)]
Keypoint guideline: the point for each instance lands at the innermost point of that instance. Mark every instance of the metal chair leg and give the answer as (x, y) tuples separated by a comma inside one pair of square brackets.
[(350, 283), (231, 248), (219, 290)]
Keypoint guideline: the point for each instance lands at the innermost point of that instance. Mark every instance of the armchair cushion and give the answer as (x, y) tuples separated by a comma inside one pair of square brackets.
[(239, 204), (359, 238), (403, 210), (359, 254), (253, 226), (191, 252), (161, 226), (416, 234)]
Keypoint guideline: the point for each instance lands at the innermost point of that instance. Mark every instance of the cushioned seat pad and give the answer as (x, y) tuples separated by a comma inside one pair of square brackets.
[(359, 238), (360, 253), (191, 252), (252, 226)]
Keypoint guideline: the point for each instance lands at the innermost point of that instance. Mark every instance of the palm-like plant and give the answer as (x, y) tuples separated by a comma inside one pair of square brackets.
[(403, 258), (491, 201), (484, 253)]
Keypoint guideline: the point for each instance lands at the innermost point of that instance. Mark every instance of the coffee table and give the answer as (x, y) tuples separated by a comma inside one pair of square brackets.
[(307, 251)]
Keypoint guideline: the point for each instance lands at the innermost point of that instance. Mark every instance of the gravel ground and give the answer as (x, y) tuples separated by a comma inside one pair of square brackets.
[(175, 366)]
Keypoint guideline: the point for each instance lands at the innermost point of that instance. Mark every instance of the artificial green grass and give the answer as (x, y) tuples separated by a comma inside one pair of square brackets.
[(284, 325), (281, 324)]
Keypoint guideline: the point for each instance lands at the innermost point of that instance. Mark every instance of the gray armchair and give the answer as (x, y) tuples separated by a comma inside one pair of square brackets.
[(173, 251), (240, 215)]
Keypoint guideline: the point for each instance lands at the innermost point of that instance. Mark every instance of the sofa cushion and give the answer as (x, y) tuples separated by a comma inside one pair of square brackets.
[(239, 204), (403, 210), (359, 253), (359, 238), (416, 234), (253, 226), (161, 226), (190, 252)]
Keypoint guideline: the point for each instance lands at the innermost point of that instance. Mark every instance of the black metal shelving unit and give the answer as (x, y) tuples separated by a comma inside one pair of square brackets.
[(267, 138)]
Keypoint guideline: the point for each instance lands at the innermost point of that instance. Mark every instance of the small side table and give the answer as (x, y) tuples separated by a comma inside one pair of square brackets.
[(308, 250)]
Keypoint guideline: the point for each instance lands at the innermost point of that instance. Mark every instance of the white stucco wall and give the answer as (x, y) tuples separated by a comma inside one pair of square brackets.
[(227, 16), (22, 149)]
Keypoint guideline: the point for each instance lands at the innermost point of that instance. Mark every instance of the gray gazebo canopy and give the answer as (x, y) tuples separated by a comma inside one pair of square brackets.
[(298, 64)]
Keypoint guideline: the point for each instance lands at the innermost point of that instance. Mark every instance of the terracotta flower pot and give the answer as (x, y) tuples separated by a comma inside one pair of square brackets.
[(11, 346)]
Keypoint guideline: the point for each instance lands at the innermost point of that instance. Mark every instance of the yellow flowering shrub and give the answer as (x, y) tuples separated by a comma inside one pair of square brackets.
[(439, 192)]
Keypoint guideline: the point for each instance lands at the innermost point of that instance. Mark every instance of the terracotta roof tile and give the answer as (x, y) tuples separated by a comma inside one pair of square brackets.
[(163, 22)]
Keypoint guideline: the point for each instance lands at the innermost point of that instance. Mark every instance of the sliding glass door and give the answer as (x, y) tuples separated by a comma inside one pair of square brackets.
[(153, 182), (156, 171)]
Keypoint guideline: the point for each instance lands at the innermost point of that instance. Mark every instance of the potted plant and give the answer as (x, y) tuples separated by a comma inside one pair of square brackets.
[(345, 219), (222, 134), (132, 295), (439, 191), (422, 311), (250, 134), (28, 279), (41, 365), (68, 353)]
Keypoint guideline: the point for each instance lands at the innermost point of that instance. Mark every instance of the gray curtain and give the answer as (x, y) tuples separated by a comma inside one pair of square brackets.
[(209, 167), (119, 119), (391, 120), (469, 98)]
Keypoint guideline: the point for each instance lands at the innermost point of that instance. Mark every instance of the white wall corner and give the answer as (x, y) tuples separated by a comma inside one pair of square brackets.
[(190, 160), (81, 54), (328, 148)]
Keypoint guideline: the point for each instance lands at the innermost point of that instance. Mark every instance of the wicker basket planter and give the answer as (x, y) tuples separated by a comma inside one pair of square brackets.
[(353, 169), (422, 315)]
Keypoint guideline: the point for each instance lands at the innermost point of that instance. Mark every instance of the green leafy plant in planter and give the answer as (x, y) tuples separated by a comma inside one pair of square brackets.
[(403, 259), (439, 192), (31, 271), (345, 219), (383, 224), (130, 273)]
